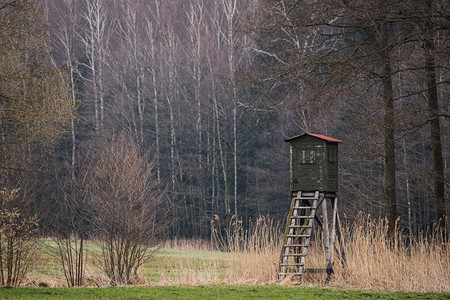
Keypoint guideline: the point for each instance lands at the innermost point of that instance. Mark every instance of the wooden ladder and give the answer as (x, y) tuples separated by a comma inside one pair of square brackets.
[(298, 233)]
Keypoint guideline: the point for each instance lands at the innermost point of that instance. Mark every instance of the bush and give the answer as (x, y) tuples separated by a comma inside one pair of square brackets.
[(18, 237), (127, 207)]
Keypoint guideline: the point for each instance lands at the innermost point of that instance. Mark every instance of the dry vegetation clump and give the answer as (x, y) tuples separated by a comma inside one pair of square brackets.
[(416, 264), (251, 257)]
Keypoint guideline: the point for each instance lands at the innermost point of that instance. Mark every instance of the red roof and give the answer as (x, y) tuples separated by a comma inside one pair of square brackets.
[(320, 136)]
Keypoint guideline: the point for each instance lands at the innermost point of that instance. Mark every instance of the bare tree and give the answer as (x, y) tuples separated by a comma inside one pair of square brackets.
[(429, 40), (196, 28), (230, 11), (95, 41), (350, 56), (128, 214), (65, 40), (71, 216), (217, 136), (134, 66)]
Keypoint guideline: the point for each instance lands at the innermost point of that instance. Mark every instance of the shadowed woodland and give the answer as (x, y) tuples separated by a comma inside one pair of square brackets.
[(130, 122)]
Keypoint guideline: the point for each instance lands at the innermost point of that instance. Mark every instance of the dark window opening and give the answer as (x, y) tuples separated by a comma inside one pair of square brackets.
[(332, 155), (308, 157)]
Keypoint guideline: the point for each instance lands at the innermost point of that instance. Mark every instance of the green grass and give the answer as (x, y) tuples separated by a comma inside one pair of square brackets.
[(46, 267), (207, 292), (167, 261)]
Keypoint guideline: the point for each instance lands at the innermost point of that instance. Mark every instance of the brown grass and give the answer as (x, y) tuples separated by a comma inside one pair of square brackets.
[(187, 244), (250, 257), (421, 265)]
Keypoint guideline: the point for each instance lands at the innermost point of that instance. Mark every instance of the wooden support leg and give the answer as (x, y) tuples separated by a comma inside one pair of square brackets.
[(327, 238), (340, 238), (333, 234)]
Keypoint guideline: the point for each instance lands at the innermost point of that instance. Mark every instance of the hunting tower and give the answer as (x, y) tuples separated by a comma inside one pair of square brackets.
[(314, 163), (314, 186)]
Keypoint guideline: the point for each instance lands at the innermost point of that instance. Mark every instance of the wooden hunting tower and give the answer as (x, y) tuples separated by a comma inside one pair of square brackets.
[(314, 163), (314, 186)]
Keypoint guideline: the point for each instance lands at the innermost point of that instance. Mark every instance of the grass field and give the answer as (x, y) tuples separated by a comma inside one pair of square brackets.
[(247, 269), (208, 292), (167, 267)]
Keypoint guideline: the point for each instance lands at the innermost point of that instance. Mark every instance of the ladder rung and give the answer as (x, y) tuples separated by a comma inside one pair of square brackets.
[(315, 197), (298, 235), (309, 193), (295, 245), (284, 274), (307, 198), (300, 226), (294, 254)]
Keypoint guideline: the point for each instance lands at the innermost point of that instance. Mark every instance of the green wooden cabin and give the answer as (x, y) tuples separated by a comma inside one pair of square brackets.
[(314, 163)]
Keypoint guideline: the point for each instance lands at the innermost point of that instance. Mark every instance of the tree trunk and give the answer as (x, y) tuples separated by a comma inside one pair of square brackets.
[(229, 7), (433, 105), (389, 131)]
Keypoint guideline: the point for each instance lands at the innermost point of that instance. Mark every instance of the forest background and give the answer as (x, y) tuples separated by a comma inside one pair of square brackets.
[(204, 93)]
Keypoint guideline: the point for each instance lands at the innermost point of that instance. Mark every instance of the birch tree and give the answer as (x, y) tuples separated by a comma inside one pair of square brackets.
[(151, 35), (66, 36), (132, 32), (95, 41), (196, 26), (229, 8)]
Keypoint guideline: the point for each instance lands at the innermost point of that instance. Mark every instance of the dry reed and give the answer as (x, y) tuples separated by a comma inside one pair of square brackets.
[(419, 265), (187, 244), (374, 262)]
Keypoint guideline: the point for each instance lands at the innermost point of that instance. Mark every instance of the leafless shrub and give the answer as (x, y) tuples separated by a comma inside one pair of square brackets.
[(70, 230), (18, 237), (127, 206)]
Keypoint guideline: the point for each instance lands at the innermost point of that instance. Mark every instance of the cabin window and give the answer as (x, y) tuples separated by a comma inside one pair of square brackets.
[(308, 157), (332, 155)]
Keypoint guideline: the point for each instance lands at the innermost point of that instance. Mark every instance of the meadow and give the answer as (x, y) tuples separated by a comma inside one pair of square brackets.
[(246, 262)]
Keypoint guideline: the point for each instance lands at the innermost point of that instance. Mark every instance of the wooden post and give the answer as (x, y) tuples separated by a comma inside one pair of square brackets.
[(341, 239), (327, 236), (333, 234)]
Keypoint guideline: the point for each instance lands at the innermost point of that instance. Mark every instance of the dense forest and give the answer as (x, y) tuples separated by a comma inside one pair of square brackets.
[(175, 112)]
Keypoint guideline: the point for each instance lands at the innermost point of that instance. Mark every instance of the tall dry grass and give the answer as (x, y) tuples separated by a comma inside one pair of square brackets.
[(258, 236), (187, 244), (407, 264), (373, 262)]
